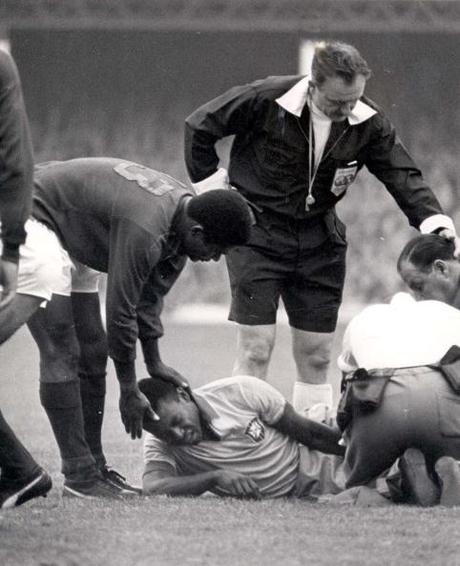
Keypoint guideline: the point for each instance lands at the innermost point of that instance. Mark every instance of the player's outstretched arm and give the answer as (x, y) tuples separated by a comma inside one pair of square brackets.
[(160, 479), (315, 435)]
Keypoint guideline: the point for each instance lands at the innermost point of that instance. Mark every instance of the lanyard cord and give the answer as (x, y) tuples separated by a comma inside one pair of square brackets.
[(312, 167), (310, 199)]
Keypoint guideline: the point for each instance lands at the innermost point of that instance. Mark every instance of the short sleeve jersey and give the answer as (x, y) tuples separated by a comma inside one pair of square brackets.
[(241, 411)]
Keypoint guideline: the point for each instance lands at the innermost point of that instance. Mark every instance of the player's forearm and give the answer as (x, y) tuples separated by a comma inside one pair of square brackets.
[(318, 436), (126, 375), (185, 485), (325, 439), (151, 352), (315, 435)]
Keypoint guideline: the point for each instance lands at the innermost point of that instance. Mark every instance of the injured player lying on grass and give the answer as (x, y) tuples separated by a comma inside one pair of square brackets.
[(239, 437)]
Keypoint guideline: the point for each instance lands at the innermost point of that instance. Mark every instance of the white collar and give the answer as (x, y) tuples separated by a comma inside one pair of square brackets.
[(295, 98)]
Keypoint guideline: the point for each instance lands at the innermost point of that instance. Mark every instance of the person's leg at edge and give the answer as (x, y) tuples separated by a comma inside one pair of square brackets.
[(254, 349), (53, 331), (312, 352), (18, 467), (15, 461)]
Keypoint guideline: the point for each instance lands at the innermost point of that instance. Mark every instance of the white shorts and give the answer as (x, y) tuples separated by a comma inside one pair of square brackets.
[(45, 268)]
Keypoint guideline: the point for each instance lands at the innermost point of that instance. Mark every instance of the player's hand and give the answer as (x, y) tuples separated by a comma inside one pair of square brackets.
[(8, 281), (451, 235), (239, 485), (161, 370), (134, 407)]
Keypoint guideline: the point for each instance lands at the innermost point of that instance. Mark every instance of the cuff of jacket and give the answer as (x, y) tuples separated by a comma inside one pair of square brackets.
[(218, 180), (10, 252), (436, 222)]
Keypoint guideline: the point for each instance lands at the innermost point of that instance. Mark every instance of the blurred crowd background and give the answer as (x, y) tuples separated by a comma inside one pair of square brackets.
[(118, 78)]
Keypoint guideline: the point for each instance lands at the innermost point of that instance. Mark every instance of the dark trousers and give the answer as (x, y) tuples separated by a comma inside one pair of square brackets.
[(419, 410)]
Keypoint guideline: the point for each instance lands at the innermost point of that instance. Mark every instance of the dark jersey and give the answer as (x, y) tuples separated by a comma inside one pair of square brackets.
[(117, 217)]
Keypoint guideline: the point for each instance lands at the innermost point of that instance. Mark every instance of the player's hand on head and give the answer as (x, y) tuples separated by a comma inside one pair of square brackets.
[(134, 407), (162, 371), (8, 281), (239, 485), (451, 235)]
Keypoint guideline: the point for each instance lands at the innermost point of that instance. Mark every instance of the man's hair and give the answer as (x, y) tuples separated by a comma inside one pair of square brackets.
[(157, 389), (423, 250), (333, 58), (224, 215)]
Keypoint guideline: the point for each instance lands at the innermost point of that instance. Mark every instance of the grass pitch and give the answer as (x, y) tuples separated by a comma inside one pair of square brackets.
[(206, 530)]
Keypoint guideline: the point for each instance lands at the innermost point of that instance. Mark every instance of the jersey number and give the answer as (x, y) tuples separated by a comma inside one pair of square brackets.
[(149, 180)]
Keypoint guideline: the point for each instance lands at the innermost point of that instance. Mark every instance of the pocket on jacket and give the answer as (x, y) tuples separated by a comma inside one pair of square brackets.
[(449, 414), (336, 228)]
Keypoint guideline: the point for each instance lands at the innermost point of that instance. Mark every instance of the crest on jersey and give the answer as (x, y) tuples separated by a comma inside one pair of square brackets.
[(255, 430)]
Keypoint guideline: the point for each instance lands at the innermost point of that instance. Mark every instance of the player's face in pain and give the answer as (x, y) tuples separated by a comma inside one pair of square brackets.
[(180, 421)]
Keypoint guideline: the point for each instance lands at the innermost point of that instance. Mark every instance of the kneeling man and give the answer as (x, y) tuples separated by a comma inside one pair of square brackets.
[(397, 400)]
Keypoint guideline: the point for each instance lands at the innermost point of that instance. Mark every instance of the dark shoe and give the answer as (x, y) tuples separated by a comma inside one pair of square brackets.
[(417, 484), (111, 476), (17, 492), (94, 489), (448, 472)]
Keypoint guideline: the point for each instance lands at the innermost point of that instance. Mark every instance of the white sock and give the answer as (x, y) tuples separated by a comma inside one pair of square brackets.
[(306, 395)]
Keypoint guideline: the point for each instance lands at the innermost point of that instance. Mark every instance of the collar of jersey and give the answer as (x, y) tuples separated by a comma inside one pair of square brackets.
[(209, 415)]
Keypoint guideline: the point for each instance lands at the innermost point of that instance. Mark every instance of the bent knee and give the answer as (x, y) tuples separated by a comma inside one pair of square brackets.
[(257, 350), (319, 360)]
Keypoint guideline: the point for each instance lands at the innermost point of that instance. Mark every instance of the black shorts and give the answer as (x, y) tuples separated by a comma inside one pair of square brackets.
[(303, 262)]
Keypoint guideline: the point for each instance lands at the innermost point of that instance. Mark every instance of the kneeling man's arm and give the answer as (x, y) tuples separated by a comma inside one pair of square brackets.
[(315, 435), (160, 478)]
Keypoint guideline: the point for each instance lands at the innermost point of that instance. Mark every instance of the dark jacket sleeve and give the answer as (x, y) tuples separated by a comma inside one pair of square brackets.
[(133, 255), (150, 306), (231, 113), (16, 160), (391, 163)]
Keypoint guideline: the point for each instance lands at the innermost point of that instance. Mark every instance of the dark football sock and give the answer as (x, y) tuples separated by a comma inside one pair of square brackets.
[(15, 460), (62, 404), (92, 392)]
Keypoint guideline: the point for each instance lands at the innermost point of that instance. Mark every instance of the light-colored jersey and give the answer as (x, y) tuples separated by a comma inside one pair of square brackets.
[(241, 411), (404, 333)]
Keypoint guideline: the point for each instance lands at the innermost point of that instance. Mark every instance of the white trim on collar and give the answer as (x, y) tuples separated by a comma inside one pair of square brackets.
[(361, 113), (295, 98)]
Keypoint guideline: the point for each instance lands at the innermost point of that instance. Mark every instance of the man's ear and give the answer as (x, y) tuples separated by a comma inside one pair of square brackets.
[(441, 267), (183, 394), (197, 230)]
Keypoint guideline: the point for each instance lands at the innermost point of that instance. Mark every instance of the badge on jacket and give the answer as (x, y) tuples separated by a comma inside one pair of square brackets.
[(343, 178)]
